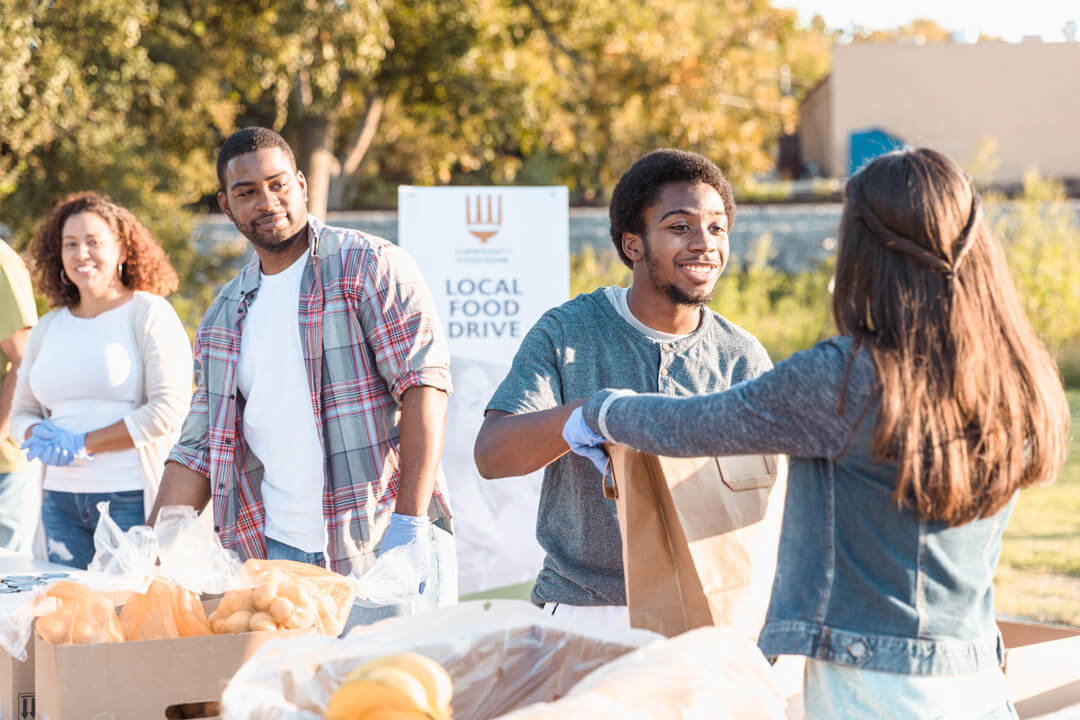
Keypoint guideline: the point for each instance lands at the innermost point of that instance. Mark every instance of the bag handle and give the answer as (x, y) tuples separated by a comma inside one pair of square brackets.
[(611, 492)]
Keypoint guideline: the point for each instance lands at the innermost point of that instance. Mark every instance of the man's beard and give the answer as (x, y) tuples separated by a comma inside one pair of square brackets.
[(275, 242), (676, 294)]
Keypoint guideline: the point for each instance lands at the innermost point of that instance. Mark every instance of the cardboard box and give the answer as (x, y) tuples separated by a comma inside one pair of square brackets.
[(1042, 666), (138, 680), (17, 686)]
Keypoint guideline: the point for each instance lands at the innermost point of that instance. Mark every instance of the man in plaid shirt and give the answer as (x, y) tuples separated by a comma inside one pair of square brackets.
[(322, 379)]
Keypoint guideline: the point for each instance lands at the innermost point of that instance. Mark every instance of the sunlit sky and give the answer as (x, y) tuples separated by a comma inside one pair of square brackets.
[(1008, 19)]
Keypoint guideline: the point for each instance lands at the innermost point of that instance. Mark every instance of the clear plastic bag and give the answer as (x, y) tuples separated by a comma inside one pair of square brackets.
[(286, 595), (501, 654), (123, 560), (126, 562), (711, 673), (72, 613), (192, 555), (395, 578), (165, 610)]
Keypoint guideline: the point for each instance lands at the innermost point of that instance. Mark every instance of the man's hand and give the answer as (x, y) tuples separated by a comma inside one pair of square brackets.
[(180, 485), (403, 530), (583, 441), (514, 445)]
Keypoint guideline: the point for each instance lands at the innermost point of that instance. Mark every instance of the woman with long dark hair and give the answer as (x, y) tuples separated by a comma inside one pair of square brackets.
[(106, 377), (909, 435)]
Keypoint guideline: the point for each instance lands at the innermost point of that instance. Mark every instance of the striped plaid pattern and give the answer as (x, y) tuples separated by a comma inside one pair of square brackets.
[(370, 332)]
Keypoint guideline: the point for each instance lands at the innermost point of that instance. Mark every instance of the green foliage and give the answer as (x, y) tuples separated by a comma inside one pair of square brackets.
[(1039, 572), (107, 95), (786, 311), (1041, 238)]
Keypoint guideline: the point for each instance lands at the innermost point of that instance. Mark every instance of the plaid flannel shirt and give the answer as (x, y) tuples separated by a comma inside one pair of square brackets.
[(369, 332)]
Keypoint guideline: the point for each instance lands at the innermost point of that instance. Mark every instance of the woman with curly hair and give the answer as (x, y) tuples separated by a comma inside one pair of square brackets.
[(106, 377)]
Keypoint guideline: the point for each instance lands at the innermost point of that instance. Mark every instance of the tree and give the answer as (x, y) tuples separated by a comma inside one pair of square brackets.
[(92, 97), (513, 90), (133, 97), (919, 30)]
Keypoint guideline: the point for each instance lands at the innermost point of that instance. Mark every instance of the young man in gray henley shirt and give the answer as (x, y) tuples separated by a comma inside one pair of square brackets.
[(670, 218)]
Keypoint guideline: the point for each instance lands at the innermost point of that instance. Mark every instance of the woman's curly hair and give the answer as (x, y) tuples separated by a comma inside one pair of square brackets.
[(146, 266)]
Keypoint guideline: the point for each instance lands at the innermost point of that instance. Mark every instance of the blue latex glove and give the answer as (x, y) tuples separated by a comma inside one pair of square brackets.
[(583, 441), (64, 447), (46, 452), (404, 529)]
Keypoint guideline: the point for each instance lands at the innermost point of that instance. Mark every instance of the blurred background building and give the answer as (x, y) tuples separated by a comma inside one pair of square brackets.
[(998, 108)]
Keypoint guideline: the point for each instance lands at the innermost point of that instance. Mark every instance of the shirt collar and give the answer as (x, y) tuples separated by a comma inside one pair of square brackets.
[(249, 276)]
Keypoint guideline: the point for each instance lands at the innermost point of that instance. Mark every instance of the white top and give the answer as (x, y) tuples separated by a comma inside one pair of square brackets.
[(164, 394), (619, 299), (88, 374), (279, 418)]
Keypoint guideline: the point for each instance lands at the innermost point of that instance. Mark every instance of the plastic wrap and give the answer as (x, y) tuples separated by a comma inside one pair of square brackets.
[(711, 673), (123, 560), (287, 595), (501, 655), (395, 578), (17, 613), (165, 610), (126, 562), (74, 613), (192, 555)]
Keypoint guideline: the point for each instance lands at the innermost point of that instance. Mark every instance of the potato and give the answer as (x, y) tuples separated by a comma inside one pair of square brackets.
[(282, 609), (262, 621), (289, 589), (262, 596), (235, 600), (218, 624), (238, 622), (55, 628), (302, 619), (81, 630)]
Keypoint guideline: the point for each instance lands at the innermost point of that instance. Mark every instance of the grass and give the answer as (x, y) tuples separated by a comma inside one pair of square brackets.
[(1039, 573)]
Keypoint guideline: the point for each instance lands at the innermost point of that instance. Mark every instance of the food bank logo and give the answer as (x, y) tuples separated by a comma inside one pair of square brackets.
[(483, 215)]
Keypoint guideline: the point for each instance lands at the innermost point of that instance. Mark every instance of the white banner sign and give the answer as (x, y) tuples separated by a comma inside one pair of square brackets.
[(496, 259)]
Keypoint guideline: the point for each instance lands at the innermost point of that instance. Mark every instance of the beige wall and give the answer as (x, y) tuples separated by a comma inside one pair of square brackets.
[(952, 97), (815, 131)]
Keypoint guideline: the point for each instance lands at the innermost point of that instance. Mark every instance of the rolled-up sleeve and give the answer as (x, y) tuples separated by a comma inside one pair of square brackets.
[(400, 323)]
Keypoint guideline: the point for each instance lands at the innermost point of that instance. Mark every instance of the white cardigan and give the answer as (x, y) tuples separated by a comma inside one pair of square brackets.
[(164, 398)]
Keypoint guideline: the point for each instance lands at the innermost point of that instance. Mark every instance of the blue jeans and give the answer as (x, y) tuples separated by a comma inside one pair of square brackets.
[(440, 589), (837, 691), (71, 518), (14, 495)]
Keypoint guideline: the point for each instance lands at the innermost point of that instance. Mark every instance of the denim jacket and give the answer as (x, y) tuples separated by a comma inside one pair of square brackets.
[(858, 582)]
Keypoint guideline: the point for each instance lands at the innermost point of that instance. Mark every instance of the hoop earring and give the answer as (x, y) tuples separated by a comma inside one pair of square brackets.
[(120, 272), (64, 278)]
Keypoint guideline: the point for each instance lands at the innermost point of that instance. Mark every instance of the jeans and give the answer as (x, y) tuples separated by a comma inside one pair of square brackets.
[(836, 691), (14, 494), (440, 588), (71, 518)]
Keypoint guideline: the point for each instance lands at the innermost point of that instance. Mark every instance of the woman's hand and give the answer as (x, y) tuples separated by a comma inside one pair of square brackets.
[(583, 441), (55, 446)]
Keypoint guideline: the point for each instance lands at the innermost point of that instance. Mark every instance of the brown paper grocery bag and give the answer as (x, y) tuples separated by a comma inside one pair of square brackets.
[(699, 537)]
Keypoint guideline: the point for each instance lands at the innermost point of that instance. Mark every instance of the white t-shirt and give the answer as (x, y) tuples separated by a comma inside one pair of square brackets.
[(279, 418), (87, 375), (619, 299)]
